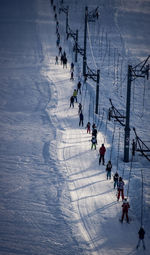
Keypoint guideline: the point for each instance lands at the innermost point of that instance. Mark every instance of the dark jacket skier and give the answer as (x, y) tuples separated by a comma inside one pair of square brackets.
[(72, 101), (79, 87), (81, 119), (116, 178), (108, 169), (120, 189), (141, 234)]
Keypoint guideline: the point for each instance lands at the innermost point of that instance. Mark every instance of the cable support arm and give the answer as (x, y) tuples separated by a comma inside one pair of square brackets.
[(92, 15), (143, 71), (115, 112), (71, 33), (91, 74), (140, 147)]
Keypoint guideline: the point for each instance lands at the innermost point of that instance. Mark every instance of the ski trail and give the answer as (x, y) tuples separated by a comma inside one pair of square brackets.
[(95, 210)]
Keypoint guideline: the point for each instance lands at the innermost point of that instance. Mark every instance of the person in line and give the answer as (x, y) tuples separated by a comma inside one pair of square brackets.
[(60, 50), (56, 60), (141, 234), (55, 16), (71, 78), (125, 207), (72, 67), (79, 87), (94, 142), (108, 169), (133, 147), (116, 179), (93, 126), (58, 42), (102, 151), (81, 118), (88, 126), (75, 93), (80, 108), (72, 101), (94, 132), (61, 59), (64, 61), (120, 189)]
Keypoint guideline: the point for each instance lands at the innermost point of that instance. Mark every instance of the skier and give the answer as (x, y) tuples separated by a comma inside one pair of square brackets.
[(58, 42), (125, 207), (71, 78), (80, 108), (72, 101), (116, 178), (75, 94), (79, 87), (55, 16), (88, 126), (72, 67), (61, 59), (60, 50), (64, 62), (102, 151), (81, 119), (120, 189), (94, 142), (133, 147), (94, 132), (56, 60), (93, 126), (108, 169), (141, 237)]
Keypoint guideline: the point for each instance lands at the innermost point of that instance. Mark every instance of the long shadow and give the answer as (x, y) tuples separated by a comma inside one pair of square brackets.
[(85, 177), (97, 195), (87, 185)]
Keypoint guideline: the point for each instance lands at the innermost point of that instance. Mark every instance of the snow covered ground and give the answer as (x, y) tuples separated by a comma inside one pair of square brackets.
[(55, 198)]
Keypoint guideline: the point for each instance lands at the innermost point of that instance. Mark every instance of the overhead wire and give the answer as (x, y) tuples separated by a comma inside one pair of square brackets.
[(89, 36)]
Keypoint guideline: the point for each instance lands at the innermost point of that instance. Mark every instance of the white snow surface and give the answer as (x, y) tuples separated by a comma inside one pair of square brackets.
[(55, 198)]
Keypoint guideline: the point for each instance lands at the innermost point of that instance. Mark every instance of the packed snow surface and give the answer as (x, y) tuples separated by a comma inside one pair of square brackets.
[(55, 197)]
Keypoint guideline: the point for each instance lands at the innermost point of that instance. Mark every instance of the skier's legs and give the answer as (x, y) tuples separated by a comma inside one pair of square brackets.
[(143, 244), (138, 243), (103, 160), (122, 194), (118, 194), (127, 217), (122, 216), (100, 159)]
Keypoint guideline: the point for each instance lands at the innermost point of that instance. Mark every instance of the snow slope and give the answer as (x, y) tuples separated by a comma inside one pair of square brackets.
[(55, 198)]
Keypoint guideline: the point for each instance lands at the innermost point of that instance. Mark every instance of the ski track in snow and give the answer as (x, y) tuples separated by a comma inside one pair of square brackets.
[(63, 171), (93, 199)]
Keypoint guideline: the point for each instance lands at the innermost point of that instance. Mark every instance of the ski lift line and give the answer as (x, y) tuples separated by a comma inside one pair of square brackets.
[(112, 140), (129, 176), (142, 199), (118, 149), (91, 46)]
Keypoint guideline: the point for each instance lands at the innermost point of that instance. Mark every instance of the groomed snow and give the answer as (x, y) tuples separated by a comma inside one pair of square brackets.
[(55, 198)]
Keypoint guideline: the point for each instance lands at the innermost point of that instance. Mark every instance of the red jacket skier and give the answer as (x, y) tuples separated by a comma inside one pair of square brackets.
[(125, 207), (102, 151)]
